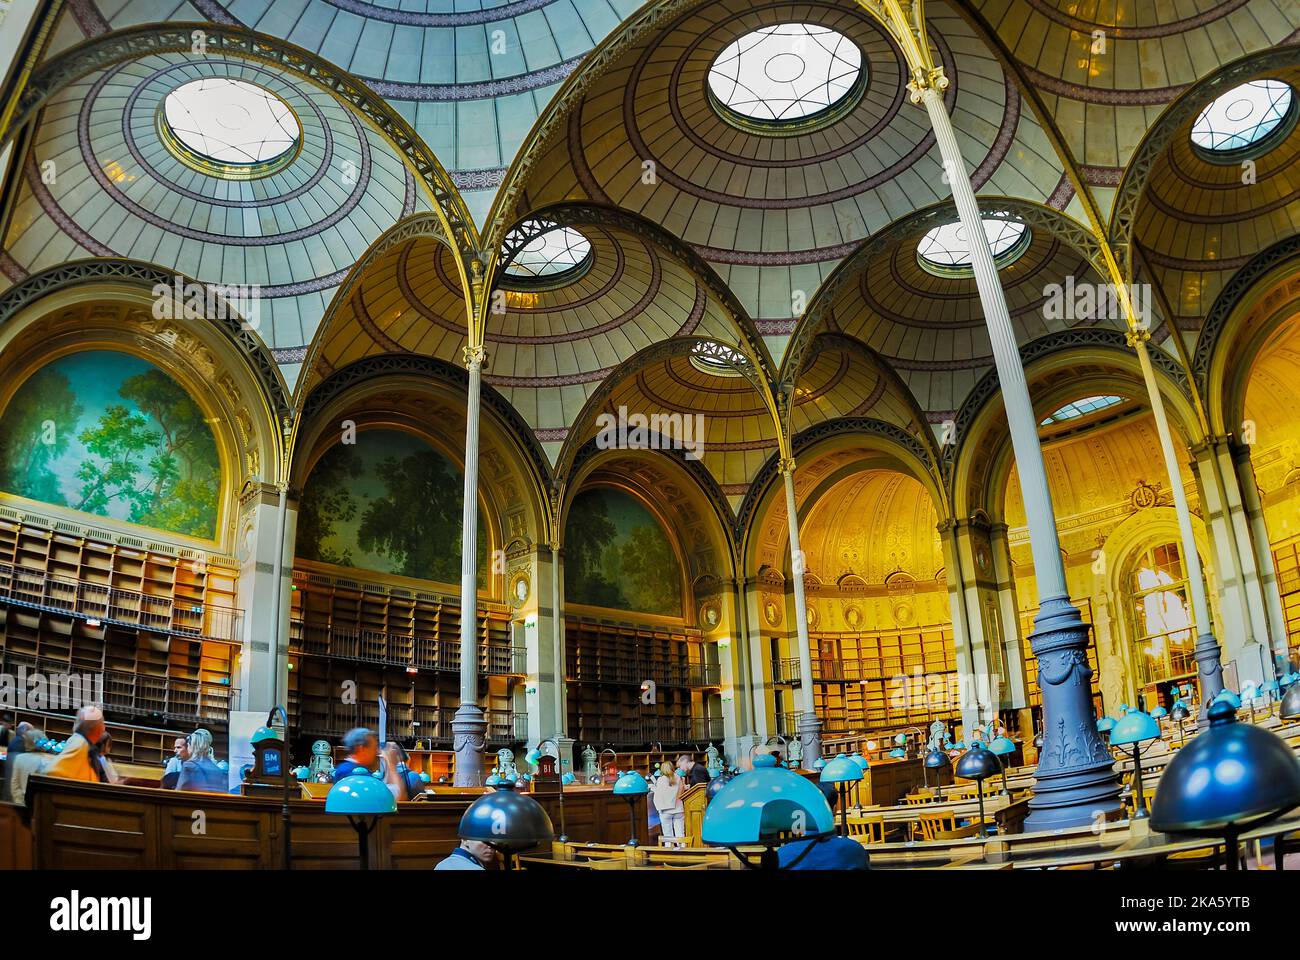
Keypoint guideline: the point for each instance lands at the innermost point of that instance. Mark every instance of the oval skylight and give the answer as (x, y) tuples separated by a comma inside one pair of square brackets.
[(230, 123), (717, 359), (945, 251), (550, 255), (786, 74), (1081, 408), (1246, 117)]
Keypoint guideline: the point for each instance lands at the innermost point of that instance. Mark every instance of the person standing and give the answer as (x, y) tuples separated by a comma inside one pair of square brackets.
[(692, 772), (668, 791)]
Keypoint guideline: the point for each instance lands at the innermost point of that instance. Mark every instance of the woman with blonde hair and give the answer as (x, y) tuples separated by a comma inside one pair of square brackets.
[(668, 790), (200, 771)]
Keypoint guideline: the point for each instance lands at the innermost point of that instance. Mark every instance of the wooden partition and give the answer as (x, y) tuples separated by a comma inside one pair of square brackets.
[(15, 839), (86, 825)]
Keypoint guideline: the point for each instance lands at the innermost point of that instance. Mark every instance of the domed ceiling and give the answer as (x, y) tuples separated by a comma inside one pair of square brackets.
[(471, 76), (100, 182)]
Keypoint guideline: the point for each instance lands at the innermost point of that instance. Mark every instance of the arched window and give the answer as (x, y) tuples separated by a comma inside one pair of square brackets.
[(1164, 633)]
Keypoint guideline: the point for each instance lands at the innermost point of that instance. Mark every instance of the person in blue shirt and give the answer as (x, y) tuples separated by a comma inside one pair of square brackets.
[(199, 771), (362, 746), (824, 853)]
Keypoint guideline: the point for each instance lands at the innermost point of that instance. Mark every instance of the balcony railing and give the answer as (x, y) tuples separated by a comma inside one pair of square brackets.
[(399, 650), (137, 695), (648, 730), (129, 608), (405, 722), (620, 670)]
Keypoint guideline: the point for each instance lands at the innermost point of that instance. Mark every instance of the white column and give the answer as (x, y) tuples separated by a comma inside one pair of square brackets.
[(1075, 775), (267, 525), (469, 728), (809, 726), (1207, 646)]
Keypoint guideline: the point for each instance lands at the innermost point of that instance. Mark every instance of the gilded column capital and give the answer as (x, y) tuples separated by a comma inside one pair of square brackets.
[(475, 355), (786, 465)]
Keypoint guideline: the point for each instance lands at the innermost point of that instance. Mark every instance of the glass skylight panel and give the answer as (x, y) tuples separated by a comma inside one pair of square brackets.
[(785, 72), (1079, 408), (1243, 117), (230, 122), (549, 254), (946, 248)]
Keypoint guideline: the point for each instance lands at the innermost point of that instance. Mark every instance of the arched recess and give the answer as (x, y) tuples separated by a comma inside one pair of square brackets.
[(134, 308), (426, 396), (1121, 626), (870, 503), (685, 661), (1059, 368), (222, 38)]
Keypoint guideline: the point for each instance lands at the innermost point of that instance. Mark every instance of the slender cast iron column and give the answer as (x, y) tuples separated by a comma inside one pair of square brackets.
[(1075, 776), (810, 728), (469, 727), (1207, 646)]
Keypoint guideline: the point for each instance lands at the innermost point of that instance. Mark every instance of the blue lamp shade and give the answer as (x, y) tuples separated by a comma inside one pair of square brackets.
[(901, 739), (819, 763), (263, 733), (1002, 746), (568, 778), (424, 777), (841, 770), (1290, 707), (860, 760), (360, 795), (1230, 775), (766, 805), (1105, 724), (936, 759), (1229, 697), (533, 755), (1272, 687), (1179, 711), (1159, 712), (300, 773), (977, 763), (1135, 727), (630, 784), (506, 819), (898, 753), (959, 745)]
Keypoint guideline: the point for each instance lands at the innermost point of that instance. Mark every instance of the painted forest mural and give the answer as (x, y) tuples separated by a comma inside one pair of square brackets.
[(388, 503), (617, 555), (110, 434)]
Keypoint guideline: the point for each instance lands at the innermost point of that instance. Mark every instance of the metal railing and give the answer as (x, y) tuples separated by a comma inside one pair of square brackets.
[(404, 722), (648, 730), (136, 695), (129, 608), (629, 671), (400, 650)]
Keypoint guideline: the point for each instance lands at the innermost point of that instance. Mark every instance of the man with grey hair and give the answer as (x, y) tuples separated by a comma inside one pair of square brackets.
[(16, 748), (31, 760)]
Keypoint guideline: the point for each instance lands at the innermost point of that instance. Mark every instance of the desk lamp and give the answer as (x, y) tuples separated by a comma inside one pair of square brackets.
[(841, 772), (506, 820), (1104, 726), (1290, 708), (542, 763), (977, 764), (935, 760), (363, 800), (631, 786), (1230, 696), (1232, 777), (1003, 746), (767, 806), (1136, 728), (1178, 713)]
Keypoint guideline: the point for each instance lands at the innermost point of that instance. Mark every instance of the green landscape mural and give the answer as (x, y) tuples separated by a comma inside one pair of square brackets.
[(111, 434), (388, 503), (617, 555)]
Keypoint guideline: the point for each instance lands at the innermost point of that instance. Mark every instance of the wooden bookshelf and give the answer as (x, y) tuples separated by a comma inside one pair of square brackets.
[(607, 662), (1286, 561)]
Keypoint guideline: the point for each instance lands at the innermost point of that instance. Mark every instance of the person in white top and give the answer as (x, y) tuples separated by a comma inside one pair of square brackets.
[(668, 801)]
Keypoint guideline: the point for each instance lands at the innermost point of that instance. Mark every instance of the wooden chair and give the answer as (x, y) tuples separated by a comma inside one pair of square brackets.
[(872, 828), (932, 824), (958, 833)]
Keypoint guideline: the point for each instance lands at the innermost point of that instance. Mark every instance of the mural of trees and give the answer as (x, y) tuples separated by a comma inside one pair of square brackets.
[(388, 503), (109, 433), (616, 555)]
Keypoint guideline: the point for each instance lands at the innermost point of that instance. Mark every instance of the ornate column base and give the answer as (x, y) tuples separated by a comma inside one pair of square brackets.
[(810, 736), (1076, 778), (565, 745), (469, 734), (1211, 673)]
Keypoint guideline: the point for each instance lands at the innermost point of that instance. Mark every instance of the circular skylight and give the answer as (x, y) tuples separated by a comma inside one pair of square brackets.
[(552, 253), (1248, 117), (945, 251), (230, 125), (785, 74)]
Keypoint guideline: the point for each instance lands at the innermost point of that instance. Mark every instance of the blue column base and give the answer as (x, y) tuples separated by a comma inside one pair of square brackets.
[(1076, 780)]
